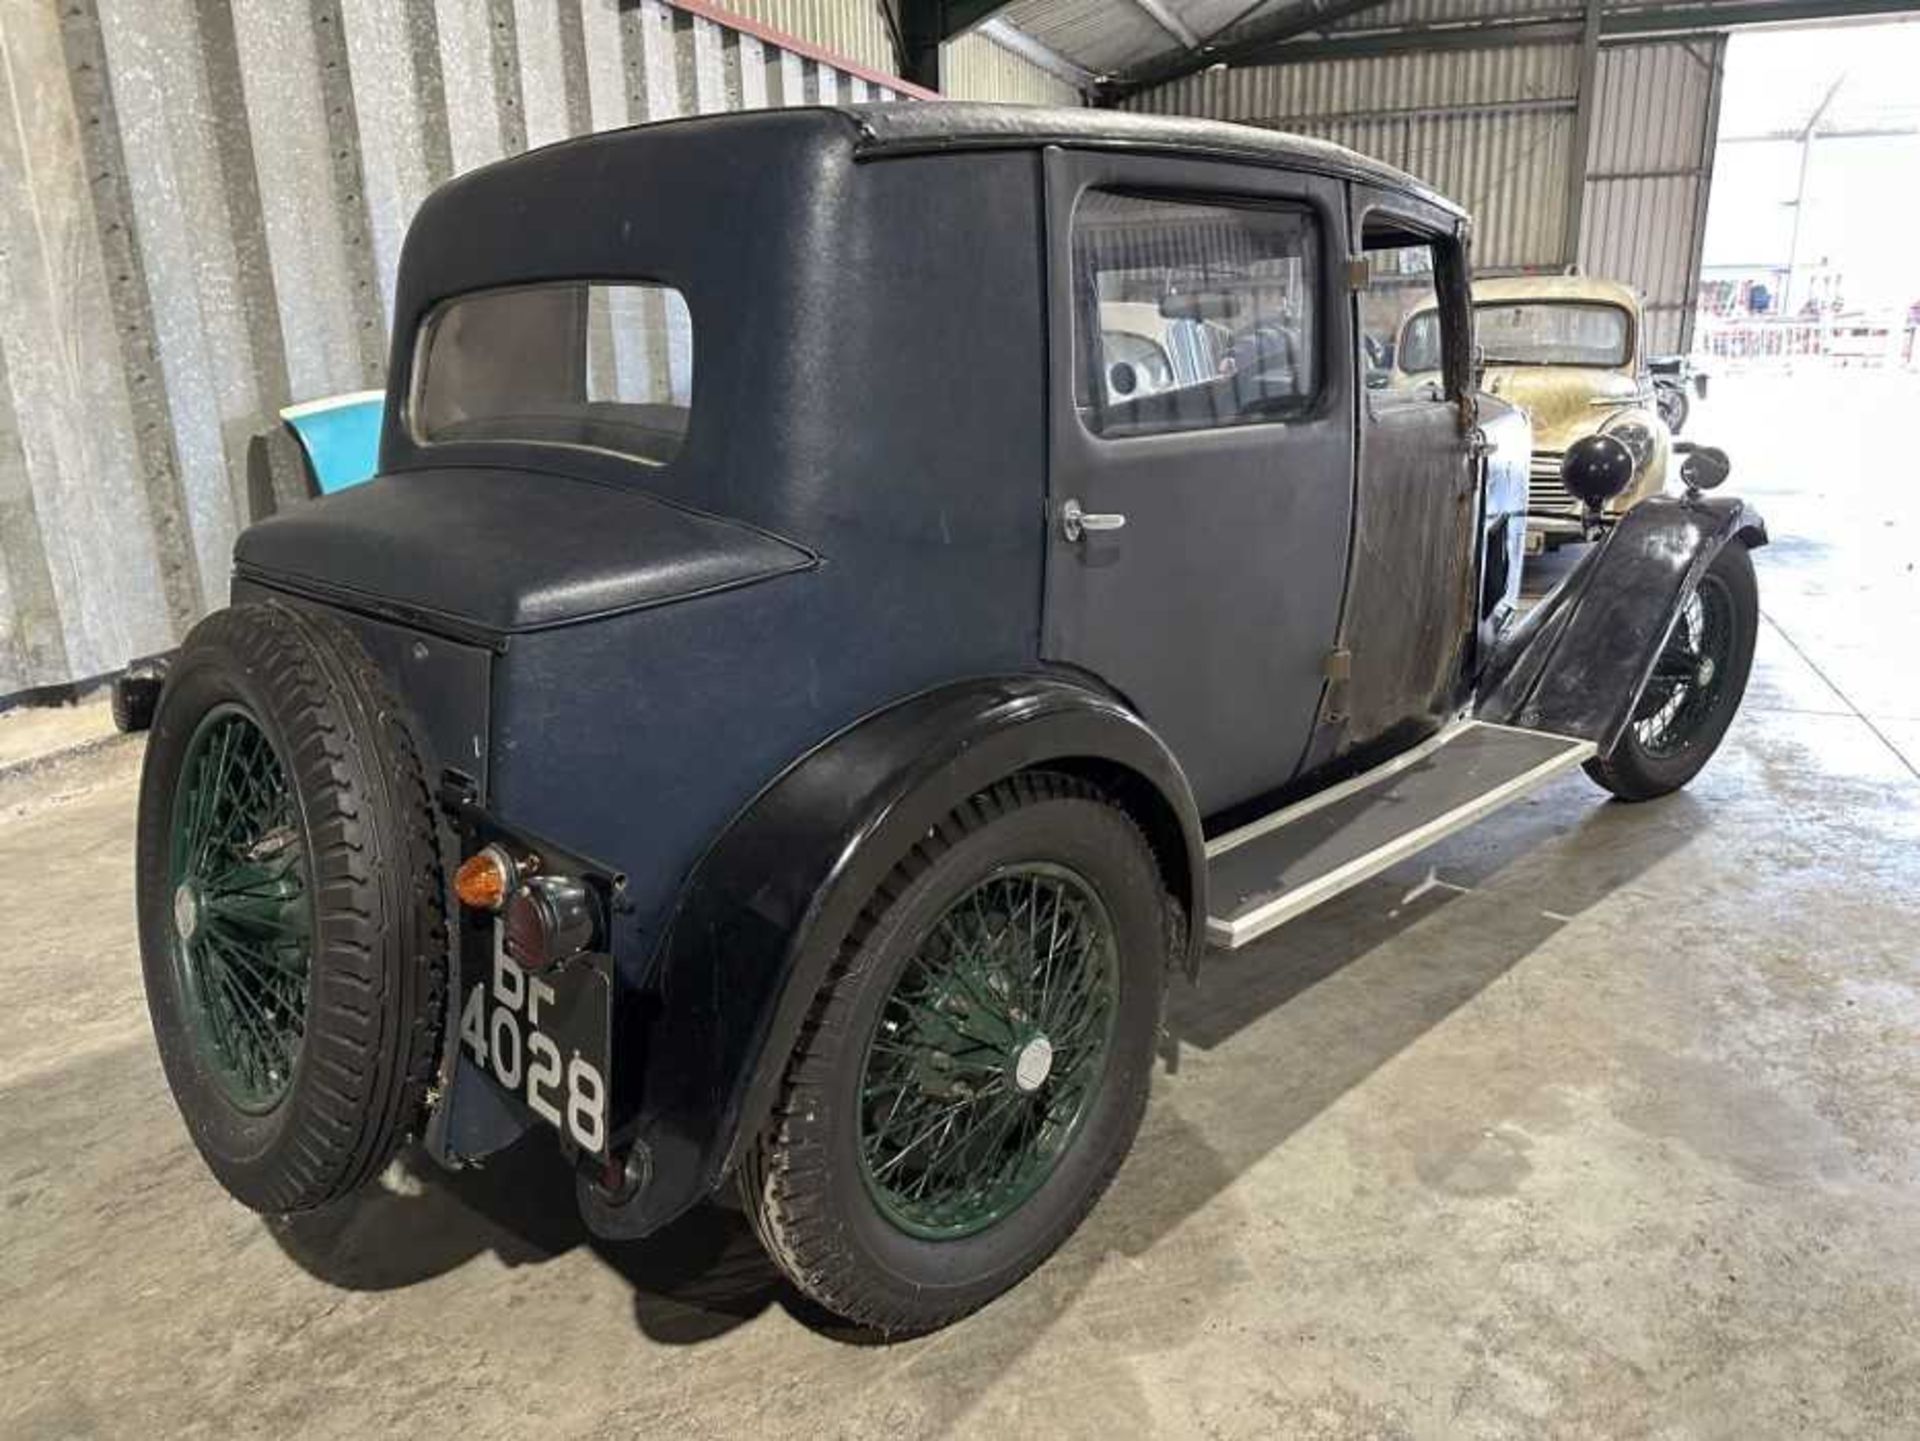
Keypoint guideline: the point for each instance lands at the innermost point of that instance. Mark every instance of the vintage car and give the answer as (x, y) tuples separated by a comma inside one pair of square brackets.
[(1567, 350), (1676, 381), (785, 707)]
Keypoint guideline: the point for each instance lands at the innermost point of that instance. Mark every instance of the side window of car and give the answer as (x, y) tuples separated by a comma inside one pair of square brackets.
[(1191, 315), (1402, 344)]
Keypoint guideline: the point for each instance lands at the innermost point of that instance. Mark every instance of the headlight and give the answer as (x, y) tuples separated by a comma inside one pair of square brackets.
[(1635, 434)]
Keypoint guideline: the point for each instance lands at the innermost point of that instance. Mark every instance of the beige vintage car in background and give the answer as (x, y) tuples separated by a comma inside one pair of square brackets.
[(1566, 349)]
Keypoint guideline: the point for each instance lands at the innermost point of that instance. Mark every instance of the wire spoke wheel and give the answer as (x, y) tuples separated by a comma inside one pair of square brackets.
[(988, 1052), (242, 907), (1689, 678)]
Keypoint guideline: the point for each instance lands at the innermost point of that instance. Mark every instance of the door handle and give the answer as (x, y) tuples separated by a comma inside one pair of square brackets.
[(1075, 522)]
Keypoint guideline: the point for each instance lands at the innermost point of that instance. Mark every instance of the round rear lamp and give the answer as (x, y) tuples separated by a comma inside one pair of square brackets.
[(549, 919)]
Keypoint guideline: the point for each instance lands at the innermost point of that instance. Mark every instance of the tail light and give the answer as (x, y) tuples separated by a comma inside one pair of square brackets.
[(549, 919)]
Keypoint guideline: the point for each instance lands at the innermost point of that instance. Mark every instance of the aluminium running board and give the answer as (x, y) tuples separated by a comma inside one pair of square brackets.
[(1268, 871)]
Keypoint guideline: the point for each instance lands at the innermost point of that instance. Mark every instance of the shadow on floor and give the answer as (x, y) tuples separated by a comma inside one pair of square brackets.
[(697, 1279), (706, 1274)]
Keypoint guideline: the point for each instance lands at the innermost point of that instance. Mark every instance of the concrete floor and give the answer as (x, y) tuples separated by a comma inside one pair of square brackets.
[(1613, 1131)]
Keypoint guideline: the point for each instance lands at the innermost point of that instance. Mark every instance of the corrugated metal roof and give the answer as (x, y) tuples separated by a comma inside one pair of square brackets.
[(1104, 36), (1118, 37), (1112, 37)]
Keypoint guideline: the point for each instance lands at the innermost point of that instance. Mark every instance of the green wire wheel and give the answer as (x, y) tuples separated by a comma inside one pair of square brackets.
[(977, 1061), (242, 907), (291, 889), (988, 1051)]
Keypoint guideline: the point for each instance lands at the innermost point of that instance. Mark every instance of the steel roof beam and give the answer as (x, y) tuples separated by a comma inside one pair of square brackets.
[(1159, 14), (1297, 20), (926, 25), (1617, 22), (1009, 36)]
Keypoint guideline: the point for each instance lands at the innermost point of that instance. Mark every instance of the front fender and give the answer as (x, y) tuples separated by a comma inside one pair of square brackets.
[(770, 905), (1578, 661)]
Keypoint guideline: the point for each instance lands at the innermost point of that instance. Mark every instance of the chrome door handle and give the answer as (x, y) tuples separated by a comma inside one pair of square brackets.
[(1075, 522)]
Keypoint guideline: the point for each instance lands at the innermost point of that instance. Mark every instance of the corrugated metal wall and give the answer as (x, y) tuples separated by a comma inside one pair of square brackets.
[(974, 68), (1494, 128), (1648, 170), (201, 210), (856, 30)]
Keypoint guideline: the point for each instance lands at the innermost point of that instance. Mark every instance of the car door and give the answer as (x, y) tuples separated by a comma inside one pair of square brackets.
[(1201, 451), (1411, 598)]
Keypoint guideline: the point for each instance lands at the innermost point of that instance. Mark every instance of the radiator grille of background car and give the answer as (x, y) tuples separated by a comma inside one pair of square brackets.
[(1545, 493)]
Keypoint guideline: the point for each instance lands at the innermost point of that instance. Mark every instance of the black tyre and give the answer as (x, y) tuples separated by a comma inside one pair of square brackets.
[(292, 907), (1695, 689), (1673, 405), (976, 1068), (131, 700)]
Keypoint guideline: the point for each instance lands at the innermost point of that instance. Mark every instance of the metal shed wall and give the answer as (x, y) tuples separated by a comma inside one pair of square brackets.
[(201, 210), (973, 67), (1494, 128), (1649, 168)]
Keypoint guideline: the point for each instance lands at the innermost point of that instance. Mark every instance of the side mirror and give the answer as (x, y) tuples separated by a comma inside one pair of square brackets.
[(1595, 469), (1123, 377), (1705, 466)]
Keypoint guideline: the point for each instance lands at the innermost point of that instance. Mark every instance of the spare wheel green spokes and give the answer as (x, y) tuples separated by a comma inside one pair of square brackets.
[(989, 1051), (242, 907)]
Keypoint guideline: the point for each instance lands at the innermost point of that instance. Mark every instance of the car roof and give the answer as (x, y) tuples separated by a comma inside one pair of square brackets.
[(1556, 287), (1584, 288), (924, 127)]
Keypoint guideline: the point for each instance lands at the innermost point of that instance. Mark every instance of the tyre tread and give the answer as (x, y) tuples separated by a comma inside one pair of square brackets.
[(379, 971)]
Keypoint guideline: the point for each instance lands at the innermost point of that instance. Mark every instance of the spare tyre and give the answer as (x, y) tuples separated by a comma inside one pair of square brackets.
[(292, 907)]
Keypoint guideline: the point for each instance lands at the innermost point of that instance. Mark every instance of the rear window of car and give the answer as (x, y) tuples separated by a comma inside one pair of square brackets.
[(601, 365), (1534, 332)]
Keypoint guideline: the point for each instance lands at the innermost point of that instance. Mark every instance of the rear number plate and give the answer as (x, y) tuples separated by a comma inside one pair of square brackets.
[(543, 1040)]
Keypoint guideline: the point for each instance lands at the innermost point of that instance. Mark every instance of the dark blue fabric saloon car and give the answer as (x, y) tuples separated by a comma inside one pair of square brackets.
[(853, 599)]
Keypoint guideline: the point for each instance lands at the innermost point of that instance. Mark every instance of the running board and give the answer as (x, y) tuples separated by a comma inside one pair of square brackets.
[(1273, 869)]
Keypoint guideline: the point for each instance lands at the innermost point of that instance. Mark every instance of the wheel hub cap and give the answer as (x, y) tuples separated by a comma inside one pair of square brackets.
[(1032, 1064), (186, 911)]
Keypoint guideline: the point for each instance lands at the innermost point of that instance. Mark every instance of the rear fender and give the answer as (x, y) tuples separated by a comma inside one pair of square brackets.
[(769, 907), (1578, 661)]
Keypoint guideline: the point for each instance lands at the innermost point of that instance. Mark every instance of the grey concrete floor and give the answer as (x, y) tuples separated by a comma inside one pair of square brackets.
[(1611, 1129)]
